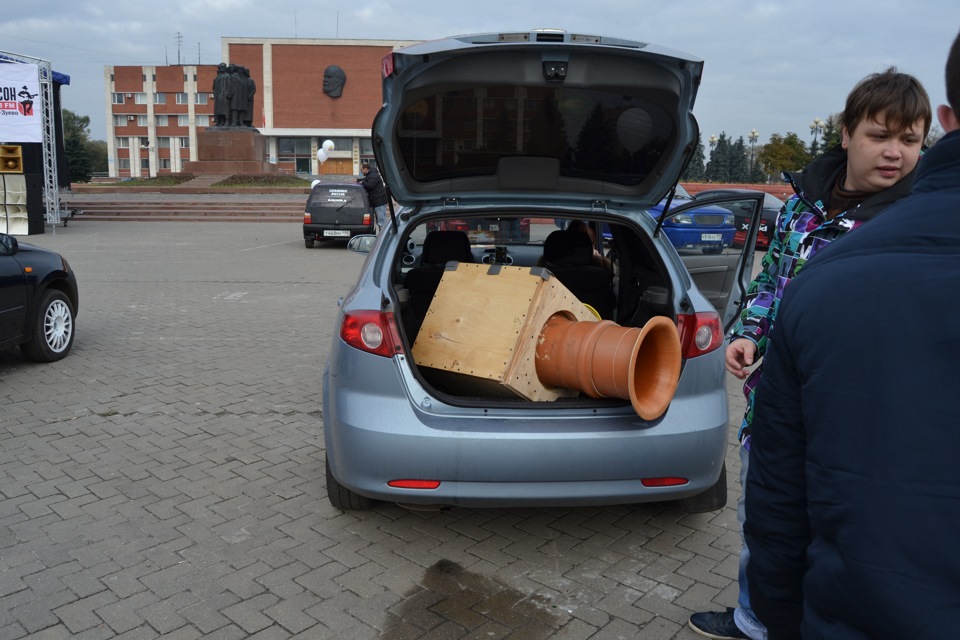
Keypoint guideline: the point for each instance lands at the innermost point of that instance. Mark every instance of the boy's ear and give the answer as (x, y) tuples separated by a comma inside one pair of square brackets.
[(949, 119), (844, 136)]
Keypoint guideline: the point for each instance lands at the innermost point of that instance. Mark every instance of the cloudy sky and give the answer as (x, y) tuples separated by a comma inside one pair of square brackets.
[(770, 65)]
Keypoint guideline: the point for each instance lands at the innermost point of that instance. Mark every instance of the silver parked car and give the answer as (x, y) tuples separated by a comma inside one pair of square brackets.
[(477, 134)]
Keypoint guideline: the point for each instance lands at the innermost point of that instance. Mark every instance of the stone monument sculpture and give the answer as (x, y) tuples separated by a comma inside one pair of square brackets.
[(233, 91), (333, 80)]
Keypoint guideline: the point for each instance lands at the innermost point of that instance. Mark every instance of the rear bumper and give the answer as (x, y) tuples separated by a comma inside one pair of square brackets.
[(374, 435), (323, 231)]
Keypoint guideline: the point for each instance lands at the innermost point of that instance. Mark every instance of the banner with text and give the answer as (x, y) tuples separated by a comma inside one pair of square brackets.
[(21, 119)]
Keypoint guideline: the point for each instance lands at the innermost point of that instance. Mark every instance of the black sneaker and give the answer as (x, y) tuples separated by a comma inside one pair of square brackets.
[(717, 624)]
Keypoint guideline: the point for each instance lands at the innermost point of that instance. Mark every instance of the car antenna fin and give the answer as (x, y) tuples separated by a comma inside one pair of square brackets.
[(666, 207)]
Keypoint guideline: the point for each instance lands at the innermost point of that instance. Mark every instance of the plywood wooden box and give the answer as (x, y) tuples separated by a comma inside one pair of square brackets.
[(480, 333)]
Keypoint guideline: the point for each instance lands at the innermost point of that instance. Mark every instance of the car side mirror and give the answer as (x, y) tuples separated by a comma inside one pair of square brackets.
[(8, 245), (362, 243)]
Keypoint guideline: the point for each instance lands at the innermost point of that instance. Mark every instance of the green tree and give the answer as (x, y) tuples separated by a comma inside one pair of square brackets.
[(935, 134), (696, 171), (83, 154), (831, 133), (739, 167), (787, 153), (97, 153), (718, 169)]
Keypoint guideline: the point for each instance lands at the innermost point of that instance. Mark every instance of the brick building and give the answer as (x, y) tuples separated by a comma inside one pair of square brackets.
[(154, 112)]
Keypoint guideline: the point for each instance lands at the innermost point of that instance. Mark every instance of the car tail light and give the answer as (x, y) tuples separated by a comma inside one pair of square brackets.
[(386, 65), (307, 218), (700, 333), (372, 331), (414, 484), (366, 219), (663, 482)]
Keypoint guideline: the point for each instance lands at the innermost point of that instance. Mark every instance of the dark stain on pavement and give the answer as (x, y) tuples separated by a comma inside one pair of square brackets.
[(452, 603)]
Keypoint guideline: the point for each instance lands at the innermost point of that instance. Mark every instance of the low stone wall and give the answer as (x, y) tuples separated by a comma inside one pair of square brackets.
[(782, 190)]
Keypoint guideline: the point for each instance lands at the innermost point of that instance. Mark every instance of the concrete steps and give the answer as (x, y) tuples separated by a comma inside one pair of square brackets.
[(197, 211)]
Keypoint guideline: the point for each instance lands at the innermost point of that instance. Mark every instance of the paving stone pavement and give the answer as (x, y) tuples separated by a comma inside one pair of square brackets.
[(166, 479)]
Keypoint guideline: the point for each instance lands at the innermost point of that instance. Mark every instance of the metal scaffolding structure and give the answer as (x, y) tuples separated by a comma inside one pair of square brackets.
[(51, 185)]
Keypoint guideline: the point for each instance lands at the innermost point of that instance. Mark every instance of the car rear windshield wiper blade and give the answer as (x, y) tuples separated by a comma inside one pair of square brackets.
[(346, 203)]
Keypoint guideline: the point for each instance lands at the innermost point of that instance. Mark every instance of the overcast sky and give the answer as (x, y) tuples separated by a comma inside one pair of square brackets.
[(772, 65)]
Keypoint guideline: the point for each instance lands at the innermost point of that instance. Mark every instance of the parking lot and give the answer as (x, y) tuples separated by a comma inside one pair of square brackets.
[(166, 478)]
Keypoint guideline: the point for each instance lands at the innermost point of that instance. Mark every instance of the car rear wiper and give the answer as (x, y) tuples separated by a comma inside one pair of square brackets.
[(346, 203), (663, 214)]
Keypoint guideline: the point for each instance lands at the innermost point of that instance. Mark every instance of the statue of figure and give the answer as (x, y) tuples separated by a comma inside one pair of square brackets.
[(333, 80), (220, 101), (251, 89), (233, 91)]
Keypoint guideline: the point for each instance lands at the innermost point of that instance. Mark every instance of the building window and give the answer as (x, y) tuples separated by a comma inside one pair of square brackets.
[(140, 98), (159, 98), (181, 98), (202, 120), (184, 142), (145, 163), (164, 163), (340, 144), (144, 142), (123, 163), (366, 147), (143, 77), (119, 120), (161, 121), (183, 121), (163, 142), (117, 98), (142, 120), (201, 98), (123, 142)]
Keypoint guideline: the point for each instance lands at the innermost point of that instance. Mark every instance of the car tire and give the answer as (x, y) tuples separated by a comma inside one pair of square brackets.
[(342, 498), (308, 243), (53, 328), (713, 499)]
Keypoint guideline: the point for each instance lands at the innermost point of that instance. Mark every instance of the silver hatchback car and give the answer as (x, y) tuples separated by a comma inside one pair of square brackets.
[(432, 394)]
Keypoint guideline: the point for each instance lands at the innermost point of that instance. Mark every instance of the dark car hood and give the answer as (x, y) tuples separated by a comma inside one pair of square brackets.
[(543, 116)]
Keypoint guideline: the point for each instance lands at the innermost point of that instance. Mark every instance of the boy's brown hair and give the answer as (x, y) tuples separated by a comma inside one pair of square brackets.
[(899, 96)]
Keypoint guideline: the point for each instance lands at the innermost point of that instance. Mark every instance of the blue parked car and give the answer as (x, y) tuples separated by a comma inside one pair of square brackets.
[(710, 229)]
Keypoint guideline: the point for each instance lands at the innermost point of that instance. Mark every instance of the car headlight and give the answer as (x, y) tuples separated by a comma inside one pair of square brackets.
[(681, 218), (728, 219)]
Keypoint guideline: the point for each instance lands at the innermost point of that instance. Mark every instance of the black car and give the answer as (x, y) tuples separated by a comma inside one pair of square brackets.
[(38, 301), (336, 211), (768, 216)]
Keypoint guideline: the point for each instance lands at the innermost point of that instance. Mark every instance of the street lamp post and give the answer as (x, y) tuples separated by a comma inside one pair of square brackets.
[(816, 128), (753, 136), (712, 141)]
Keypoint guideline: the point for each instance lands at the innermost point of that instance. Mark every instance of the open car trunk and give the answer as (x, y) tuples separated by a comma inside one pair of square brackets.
[(478, 267)]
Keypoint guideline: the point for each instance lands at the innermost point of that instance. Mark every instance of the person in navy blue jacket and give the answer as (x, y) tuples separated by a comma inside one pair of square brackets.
[(853, 491)]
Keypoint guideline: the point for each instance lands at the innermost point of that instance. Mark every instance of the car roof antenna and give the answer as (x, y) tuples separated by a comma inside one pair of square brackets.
[(666, 207)]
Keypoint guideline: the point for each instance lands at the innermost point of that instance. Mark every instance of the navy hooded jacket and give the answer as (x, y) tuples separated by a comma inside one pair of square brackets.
[(853, 498)]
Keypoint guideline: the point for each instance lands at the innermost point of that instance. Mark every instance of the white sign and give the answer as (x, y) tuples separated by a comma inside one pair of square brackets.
[(21, 117)]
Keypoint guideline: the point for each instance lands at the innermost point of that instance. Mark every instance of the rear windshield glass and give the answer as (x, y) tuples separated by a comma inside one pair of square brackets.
[(337, 197), (593, 133)]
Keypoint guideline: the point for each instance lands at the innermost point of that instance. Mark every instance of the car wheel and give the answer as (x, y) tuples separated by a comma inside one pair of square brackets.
[(713, 499), (342, 498), (308, 243), (53, 329)]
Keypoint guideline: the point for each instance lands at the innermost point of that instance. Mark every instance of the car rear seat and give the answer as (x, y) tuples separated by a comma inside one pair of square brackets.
[(439, 248), (569, 256)]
